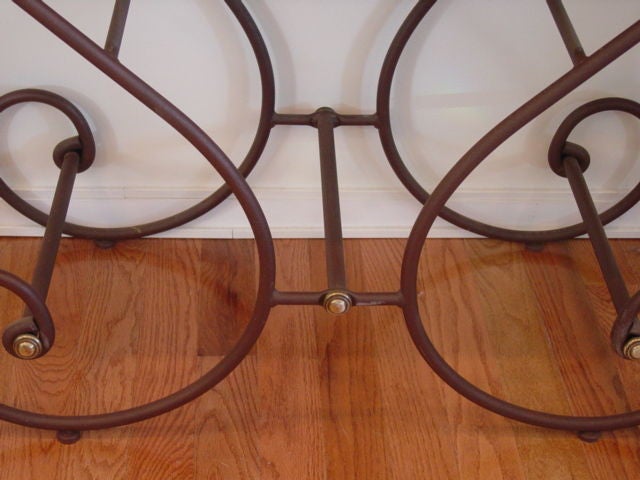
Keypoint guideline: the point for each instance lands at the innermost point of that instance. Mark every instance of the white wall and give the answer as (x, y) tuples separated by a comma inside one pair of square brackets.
[(469, 64)]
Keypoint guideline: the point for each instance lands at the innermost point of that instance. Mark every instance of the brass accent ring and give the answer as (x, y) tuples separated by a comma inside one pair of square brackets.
[(27, 346), (337, 303), (631, 348)]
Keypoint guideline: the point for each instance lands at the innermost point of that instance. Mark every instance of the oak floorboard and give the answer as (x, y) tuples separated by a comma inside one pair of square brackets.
[(350, 388), (165, 356), (289, 385), (227, 436), (322, 396), (72, 380), (417, 434), (452, 309), (529, 374), (228, 287)]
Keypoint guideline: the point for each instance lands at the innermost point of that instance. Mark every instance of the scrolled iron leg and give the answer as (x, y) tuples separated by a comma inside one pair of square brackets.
[(69, 428), (435, 205)]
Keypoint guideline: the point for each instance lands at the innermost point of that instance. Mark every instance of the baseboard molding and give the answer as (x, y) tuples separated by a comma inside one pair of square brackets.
[(297, 213)]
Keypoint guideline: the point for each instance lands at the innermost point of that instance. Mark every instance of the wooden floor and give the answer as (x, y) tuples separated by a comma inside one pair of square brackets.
[(321, 397)]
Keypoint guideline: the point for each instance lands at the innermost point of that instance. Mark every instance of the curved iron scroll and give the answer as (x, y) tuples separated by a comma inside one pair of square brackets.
[(565, 159)]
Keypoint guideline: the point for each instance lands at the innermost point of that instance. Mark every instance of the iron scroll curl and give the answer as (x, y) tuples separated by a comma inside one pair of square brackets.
[(234, 184), (434, 206), (385, 132), (114, 234)]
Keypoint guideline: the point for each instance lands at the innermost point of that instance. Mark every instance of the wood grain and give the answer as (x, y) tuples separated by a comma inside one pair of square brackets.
[(320, 396), (228, 291), (291, 426)]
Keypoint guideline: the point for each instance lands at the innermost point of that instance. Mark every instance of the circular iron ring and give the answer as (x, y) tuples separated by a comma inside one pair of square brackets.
[(205, 205), (413, 186), (434, 205), (87, 145), (238, 186)]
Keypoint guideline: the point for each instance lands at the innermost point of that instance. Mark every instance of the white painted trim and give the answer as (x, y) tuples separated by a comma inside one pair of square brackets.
[(296, 212)]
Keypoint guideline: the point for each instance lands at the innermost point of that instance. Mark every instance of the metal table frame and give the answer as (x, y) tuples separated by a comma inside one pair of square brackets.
[(33, 335)]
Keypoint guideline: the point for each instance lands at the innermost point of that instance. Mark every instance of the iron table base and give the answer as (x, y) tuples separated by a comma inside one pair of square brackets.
[(33, 335)]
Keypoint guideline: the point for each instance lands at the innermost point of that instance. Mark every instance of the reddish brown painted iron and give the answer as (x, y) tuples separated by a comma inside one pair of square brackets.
[(565, 159)]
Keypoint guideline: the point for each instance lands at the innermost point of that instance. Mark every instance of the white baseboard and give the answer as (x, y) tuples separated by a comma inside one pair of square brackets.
[(297, 213)]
